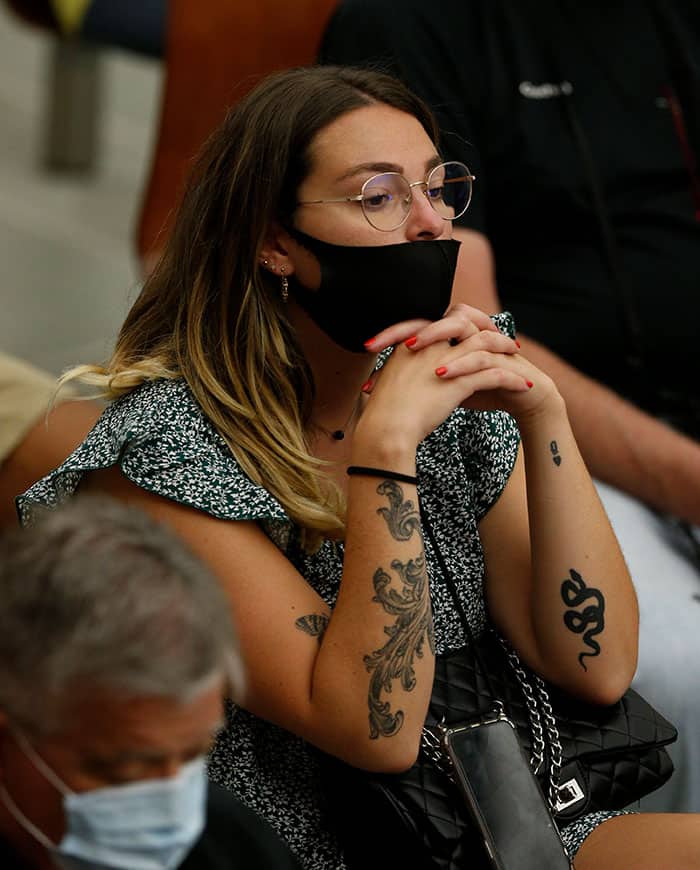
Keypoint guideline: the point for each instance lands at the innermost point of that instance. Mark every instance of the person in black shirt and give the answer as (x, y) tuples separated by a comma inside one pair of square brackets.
[(581, 123), (116, 647)]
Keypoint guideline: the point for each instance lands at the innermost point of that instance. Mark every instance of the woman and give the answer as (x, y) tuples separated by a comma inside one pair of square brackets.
[(315, 234)]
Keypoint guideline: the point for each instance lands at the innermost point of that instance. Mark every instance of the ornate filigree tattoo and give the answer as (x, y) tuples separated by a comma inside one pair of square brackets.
[(590, 620), (314, 624), (413, 616), (401, 516), (554, 450), (407, 636)]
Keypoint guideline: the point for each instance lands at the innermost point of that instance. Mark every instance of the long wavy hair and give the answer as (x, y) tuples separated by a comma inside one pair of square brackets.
[(210, 314)]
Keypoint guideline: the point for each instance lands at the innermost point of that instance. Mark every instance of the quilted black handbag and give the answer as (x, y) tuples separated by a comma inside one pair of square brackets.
[(610, 757), (586, 757)]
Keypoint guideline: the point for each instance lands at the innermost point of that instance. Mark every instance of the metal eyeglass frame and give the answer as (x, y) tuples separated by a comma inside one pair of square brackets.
[(411, 184)]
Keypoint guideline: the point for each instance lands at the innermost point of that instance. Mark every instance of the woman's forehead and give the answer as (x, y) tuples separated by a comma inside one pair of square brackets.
[(374, 134)]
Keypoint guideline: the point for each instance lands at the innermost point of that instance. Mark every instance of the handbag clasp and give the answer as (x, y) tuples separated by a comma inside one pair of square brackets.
[(568, 794)]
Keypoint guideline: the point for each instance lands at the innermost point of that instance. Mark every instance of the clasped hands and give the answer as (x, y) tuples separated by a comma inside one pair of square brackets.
[(481, 367)]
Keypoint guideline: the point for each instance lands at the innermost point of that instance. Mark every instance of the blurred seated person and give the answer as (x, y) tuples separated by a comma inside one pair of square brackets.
[(30, 442), (116, 648)]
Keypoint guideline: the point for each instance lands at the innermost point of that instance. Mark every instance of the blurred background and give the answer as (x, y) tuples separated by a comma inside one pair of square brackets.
[(103, 105), (67, 252)]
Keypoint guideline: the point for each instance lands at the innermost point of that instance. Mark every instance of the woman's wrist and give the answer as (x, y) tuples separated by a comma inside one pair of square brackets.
[(380, 446), (546, 414)]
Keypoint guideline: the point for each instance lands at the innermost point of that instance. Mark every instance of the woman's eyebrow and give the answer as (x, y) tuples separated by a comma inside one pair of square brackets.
[(370, 167), (434, 161)]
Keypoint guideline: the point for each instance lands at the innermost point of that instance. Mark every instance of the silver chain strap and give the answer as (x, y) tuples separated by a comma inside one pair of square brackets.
[(555, 750), (431, 744), (537, 758), (536, 713)]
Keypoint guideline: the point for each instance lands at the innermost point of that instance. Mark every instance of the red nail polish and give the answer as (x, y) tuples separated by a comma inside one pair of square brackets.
[(529, 384), (411, 341), (365, 387), (517, 343), (370, 341), (440, 371)]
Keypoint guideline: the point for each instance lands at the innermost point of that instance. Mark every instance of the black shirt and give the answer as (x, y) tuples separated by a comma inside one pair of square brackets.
[(545, 100), (236, 837)]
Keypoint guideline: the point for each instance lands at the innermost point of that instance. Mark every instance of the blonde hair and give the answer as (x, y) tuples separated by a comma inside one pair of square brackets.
[(208, 313)]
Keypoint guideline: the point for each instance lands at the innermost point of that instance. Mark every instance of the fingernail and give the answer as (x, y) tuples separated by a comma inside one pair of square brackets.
[(517, 343), (530, 385), (370, 341), (365, 387), (411, 341), (441, 371)]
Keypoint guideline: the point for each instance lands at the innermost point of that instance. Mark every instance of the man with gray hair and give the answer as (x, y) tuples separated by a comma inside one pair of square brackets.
[(116, 650)]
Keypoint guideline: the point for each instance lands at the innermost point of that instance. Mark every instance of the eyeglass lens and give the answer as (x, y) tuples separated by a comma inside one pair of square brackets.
[(386, 198)]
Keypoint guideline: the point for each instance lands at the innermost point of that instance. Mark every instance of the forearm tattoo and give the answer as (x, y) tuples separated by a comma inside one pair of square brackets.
[(588, 621), (410, 606), (314, 624), (554, 450), (401, 516), (407, 636)]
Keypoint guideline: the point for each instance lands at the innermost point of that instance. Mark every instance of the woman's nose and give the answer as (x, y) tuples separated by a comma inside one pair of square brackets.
[(423, 221)]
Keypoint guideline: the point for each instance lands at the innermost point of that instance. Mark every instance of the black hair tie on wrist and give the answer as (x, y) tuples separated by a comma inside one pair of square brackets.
[(381, 472)]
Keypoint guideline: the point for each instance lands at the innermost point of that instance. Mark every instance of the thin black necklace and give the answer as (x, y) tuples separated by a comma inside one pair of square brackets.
[(339, 434)]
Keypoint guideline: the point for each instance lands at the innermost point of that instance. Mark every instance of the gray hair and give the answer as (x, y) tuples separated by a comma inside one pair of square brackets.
[(98, 595)]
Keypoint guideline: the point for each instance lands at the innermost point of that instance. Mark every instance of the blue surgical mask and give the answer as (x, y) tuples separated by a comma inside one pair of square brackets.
[(145, 825)]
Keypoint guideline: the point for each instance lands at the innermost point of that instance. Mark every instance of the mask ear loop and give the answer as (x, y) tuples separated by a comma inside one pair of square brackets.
[(49, 774), (39, 762), (23, 821)]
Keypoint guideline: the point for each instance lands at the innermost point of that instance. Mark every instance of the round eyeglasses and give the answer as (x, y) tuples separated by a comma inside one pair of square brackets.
[(386, 199)]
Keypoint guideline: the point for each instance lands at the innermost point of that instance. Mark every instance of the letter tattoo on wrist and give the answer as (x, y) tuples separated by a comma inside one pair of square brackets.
[(590, 620), (554, 450)]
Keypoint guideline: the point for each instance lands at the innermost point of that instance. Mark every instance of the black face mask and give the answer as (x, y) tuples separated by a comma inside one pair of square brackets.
[(365, 289)]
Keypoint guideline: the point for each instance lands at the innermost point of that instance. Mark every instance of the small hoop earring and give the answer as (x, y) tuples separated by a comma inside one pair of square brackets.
[(285, 285)]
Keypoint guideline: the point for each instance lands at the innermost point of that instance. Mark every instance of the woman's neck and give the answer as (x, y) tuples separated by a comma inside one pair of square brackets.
[(339, 375)]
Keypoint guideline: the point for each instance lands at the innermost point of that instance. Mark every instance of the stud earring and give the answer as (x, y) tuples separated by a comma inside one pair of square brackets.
[(285, 285)]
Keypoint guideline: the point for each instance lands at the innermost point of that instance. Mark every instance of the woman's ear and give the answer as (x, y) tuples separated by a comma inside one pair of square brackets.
[(274, 253)]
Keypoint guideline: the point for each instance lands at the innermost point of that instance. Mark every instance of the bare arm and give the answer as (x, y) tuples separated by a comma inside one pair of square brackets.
[(621, 444), (354, 681), (557, 585)]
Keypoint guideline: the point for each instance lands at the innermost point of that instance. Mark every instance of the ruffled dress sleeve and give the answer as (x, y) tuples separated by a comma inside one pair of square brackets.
[(162, 442)]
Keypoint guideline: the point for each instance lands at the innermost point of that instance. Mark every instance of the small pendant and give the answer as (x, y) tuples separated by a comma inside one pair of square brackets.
[(338, 435)]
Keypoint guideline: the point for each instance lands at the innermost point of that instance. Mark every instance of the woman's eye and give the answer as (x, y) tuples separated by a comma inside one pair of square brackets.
[(377, 200), (435, 192)]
